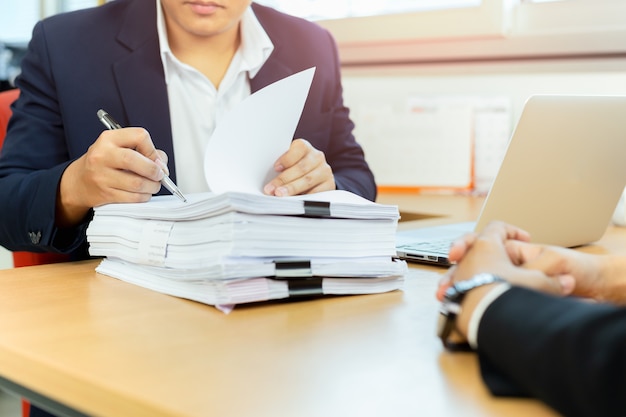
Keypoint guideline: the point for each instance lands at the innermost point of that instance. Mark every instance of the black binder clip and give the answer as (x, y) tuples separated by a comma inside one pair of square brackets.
[(305, 287), (316, 208), (293, 268)]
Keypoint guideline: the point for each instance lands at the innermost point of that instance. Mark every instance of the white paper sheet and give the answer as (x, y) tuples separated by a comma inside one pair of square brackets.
[(247, 142)]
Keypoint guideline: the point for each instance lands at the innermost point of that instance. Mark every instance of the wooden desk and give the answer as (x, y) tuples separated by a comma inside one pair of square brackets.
[(86, 343)]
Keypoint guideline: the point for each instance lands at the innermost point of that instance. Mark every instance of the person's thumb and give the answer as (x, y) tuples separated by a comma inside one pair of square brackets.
[(567, 283)]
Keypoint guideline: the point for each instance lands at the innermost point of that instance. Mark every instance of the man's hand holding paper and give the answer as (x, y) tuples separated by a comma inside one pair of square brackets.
[(251, 149), (302, 170)]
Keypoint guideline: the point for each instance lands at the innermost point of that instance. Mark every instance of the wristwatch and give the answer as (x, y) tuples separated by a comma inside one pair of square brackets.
[(451, 307)]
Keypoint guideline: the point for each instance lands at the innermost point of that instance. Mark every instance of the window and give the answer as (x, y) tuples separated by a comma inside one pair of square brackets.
[(566, 16), (336, 9), (69, 5), (415, 31), (17, 20), (484, 31), (356, 21), (18, 17)]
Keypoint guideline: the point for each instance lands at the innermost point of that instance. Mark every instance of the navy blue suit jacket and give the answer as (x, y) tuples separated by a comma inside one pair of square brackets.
[(108, 57), (568, 353)]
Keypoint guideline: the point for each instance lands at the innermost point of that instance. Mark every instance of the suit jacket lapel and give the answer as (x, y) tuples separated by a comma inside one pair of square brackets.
[(140, 78), (274, 68), (272, 71)]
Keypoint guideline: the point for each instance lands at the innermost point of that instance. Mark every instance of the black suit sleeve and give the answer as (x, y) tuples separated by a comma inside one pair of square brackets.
[(33, 159), (569, 353), (343, 153)]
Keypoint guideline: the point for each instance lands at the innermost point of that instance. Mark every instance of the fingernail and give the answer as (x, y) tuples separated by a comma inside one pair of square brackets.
[(281, 192), (162, 165), (269, 189), (279, 168), (568, 283)]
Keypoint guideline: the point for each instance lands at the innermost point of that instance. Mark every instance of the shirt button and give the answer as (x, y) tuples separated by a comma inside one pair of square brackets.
[(35, 238)]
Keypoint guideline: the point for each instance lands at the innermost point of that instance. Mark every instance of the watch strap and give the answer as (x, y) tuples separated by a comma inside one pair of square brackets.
[(451, 307)]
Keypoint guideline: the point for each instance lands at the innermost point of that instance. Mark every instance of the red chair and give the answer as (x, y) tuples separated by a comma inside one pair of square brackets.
[(22, 258)]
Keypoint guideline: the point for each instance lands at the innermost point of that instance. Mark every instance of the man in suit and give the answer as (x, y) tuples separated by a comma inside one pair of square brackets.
[(169, 68), (533, 341)]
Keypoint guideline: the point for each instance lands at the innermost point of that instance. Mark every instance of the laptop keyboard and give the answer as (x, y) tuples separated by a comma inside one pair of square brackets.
[(437, 246)]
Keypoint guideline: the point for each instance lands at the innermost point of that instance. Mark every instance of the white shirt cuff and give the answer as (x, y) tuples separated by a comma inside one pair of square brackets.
[(481, 307)]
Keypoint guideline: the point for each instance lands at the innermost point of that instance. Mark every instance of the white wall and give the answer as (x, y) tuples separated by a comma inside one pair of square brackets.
[(515, 79), (383, 87), (6, 261)]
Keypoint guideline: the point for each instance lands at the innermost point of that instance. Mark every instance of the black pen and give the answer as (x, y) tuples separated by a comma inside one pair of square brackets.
[(111, 124)]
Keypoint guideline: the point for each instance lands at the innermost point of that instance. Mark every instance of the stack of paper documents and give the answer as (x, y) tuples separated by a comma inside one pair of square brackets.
[(247, 290), (235, 245), (225, 249)]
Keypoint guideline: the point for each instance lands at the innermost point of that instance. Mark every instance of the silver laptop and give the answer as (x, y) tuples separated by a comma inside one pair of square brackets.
[(560, 179)]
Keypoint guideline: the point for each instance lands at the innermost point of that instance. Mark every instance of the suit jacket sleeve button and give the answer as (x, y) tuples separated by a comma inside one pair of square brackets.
[(35, 237)]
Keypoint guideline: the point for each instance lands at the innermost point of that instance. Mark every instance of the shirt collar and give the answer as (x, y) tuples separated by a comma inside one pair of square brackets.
[(256, 46)]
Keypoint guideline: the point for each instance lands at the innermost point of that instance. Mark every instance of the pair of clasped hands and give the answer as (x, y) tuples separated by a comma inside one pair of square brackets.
[(123, 166), (504, 250)]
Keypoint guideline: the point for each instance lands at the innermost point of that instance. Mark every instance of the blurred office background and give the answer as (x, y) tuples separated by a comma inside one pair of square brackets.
[(397, 55)]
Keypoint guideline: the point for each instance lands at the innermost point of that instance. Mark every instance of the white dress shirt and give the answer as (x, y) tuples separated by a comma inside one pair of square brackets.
[(196, 106), (479, 311)]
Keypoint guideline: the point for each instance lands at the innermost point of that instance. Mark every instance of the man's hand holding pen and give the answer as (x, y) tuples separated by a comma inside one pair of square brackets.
[(121, 166), (111, 124)]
